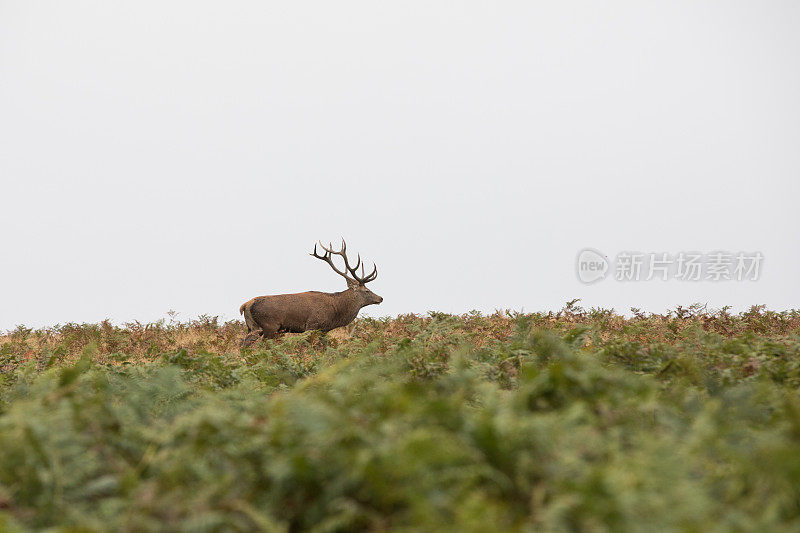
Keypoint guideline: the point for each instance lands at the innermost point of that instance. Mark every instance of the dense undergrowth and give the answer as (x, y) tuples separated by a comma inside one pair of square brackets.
[(576, 420)]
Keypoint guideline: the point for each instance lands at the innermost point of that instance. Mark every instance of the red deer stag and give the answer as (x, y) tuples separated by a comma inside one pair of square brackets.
[(270, 316)]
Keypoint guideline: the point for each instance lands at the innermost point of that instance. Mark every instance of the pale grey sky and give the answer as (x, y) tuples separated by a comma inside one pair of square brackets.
[(186, 155)]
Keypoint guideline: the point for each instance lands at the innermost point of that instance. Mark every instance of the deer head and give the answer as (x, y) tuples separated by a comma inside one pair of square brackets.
[(355, 283)]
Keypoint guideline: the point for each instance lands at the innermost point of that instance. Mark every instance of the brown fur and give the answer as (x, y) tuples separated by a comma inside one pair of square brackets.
[(270, 316)]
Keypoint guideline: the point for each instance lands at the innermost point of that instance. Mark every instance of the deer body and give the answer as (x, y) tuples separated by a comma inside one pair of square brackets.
[(270, 316)]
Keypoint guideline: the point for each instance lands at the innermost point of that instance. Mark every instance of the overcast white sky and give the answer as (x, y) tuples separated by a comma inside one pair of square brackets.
[(186, 155)]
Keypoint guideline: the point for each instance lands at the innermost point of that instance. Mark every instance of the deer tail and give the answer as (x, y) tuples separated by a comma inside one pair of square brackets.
[(248, 316)]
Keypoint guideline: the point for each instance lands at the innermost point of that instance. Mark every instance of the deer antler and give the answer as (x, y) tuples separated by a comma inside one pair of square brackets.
[(328, 258), (371, 277)]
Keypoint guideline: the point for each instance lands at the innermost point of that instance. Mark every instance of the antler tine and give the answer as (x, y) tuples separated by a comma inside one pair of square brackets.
[(358, 262), (366, 279), (314, 253), (328, 258), (343, 254), (373, 275), (330, 249), (323, 256)]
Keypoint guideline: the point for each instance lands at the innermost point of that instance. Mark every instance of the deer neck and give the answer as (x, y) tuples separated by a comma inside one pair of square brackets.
[(347, 305)]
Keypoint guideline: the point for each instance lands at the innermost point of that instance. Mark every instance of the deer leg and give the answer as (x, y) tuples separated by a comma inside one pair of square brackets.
[(250, 338), (270, 331)]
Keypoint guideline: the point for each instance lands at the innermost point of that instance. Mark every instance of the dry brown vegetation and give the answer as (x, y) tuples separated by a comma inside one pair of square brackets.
[(137, 342)]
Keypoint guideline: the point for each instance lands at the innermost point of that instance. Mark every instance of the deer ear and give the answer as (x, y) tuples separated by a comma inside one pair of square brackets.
[(351, 283)]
